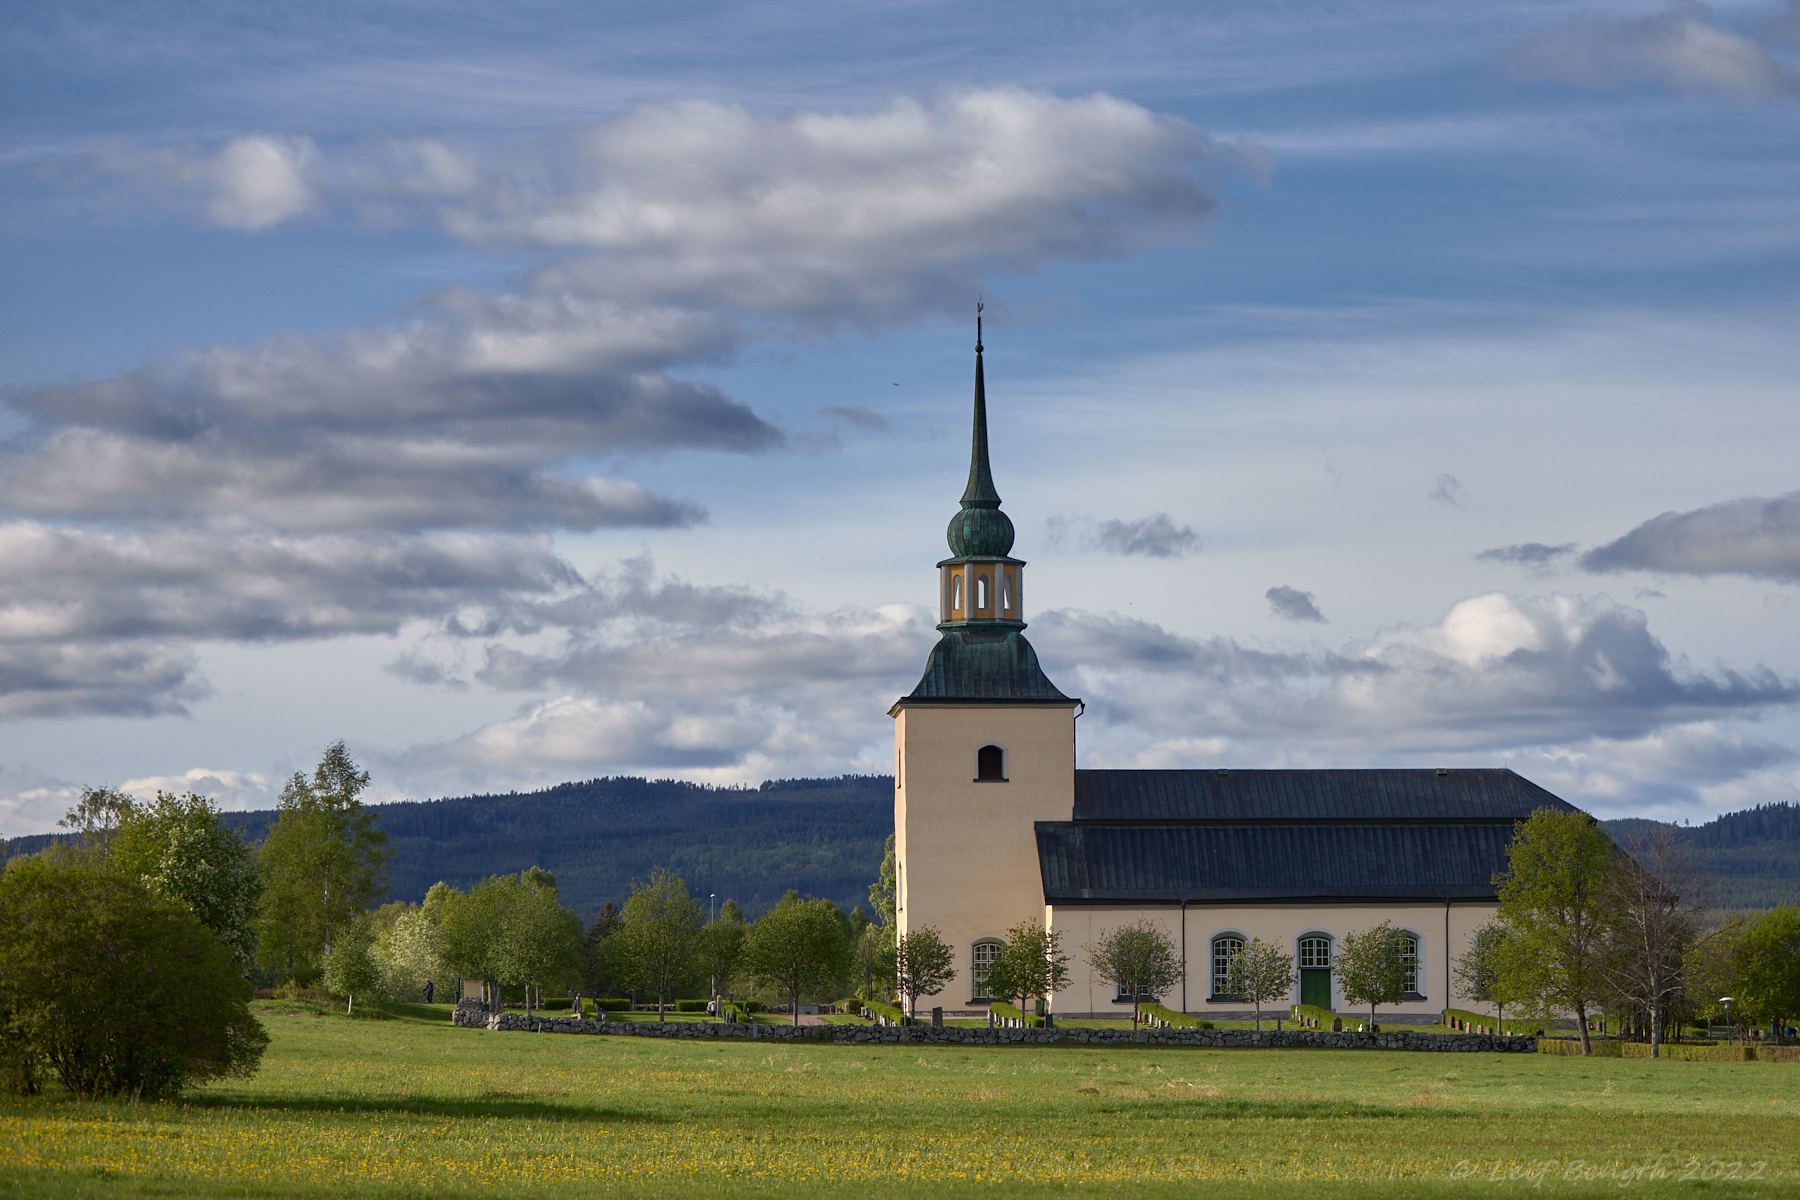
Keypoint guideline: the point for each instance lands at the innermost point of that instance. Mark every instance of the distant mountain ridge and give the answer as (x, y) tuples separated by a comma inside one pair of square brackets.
[(1754, 854), (823, 837)]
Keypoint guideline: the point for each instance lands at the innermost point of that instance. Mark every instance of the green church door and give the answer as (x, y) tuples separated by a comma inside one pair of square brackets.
[(1315, 987)]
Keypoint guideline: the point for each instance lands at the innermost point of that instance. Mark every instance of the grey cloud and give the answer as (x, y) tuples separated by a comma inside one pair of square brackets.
[(1155, 537), (1449, 490), (866, 419), (1528, 554), (127, 679), (74, 585), (1294, 604), (1497, 671), (1753, 536), (415, 669), (1685, 49)]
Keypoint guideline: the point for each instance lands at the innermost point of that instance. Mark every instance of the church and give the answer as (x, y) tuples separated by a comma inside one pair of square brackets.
[(996, 824)]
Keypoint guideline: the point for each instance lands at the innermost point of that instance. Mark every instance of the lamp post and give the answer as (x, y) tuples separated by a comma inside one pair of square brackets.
[(1726, 1001), (712, 980)]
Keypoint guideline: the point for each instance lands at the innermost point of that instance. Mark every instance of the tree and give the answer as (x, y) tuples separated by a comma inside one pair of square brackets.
[(96, 816), (1768, 959), (1260, 973), (350, 967), (722, 947), (884, 889), (1653, 896), (323, 864), (658, 936), (176, 847), (1478, 971), (1553, 899), (872, 961), (596, 968), (116, 990), (538, 940), (1711, 968), (922, 965), (1031, 964), (797, 947), (411, 953), (1373, 965), (1138, 959)]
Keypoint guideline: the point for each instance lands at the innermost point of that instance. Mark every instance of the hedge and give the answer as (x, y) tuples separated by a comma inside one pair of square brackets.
[(1170, 1017)]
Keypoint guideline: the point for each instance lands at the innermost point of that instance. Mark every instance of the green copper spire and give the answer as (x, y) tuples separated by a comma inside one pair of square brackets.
[(980, 530)]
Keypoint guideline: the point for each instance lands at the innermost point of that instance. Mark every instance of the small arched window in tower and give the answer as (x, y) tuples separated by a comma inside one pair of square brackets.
[(990, 763), (982, 599), (1006, 592), (956, 593)]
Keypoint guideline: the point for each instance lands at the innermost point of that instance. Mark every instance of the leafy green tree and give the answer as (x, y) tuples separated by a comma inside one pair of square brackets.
[(115, 990), (539, 941), (324, 863), (797, 947), (884, 889), (656, 947), (872, 961), (411, 952), (1030, 965), (1712, 967), (96, 816), (1372, 966), (1553, 897), (468, 927), (596, 968), (1138, 959), (1478, 974), (1260, 973), (922, 965), (722, 947), (176, 847), (351, 967), (1768, 962)]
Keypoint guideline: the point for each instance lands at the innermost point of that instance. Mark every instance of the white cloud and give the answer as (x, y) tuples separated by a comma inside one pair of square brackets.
[(251, 183), (231, 790)]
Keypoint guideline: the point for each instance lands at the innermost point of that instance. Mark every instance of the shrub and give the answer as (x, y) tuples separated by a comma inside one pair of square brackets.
[(613, 1005), (114, 990), (690, 1006)]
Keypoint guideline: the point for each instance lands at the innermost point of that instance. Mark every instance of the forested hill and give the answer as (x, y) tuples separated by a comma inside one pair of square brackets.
[(1754, 854), (821, 836)]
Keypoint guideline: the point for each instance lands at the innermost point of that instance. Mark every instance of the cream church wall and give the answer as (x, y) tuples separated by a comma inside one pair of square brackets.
[(1279, 924), (965, 851)]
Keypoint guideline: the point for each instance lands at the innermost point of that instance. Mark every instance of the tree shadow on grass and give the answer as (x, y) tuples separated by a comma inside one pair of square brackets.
[(504, 1105), (1272, 1110)]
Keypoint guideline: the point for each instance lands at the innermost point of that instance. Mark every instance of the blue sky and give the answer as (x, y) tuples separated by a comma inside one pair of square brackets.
[(570, 390)]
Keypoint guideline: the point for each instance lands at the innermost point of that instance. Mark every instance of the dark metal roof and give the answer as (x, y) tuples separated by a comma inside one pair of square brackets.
[(1166, 797), (974, 664), (1128, 864)]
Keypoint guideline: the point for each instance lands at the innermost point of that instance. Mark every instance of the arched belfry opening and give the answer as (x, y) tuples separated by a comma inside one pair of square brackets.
[(990, 763)]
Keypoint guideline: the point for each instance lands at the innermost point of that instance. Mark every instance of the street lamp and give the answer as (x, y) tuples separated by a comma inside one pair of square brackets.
[(712, 981), (1726, 1001)]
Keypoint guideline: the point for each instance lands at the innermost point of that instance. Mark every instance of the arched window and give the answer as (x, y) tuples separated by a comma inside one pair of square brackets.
[(1225, 947), (982, 599), (1006, 592), (1409, 954), (956, 593), (981, 961), (1315, 952), (990, 763)]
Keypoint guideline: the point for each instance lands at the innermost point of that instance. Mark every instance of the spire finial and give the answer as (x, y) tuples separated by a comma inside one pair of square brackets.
[(980, 528), (978, 307)]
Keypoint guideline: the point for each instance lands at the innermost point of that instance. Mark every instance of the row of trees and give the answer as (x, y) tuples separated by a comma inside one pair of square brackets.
[(1587, 927)]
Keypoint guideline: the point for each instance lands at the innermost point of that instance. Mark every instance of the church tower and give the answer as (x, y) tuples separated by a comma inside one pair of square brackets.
[(985, 744)]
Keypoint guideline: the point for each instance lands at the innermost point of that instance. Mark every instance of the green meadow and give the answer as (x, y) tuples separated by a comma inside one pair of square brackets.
[(408, 1106)]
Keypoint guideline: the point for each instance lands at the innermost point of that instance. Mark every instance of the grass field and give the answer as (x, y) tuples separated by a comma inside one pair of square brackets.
[(412, 1107)]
